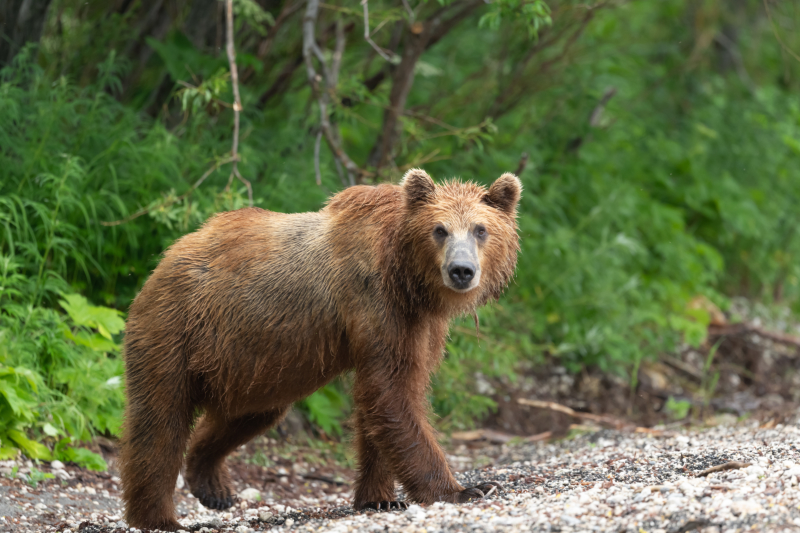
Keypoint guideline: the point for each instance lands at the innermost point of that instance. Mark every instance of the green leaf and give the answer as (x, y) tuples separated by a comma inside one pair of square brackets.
[(32, 449), (83, 457), (7, 452)]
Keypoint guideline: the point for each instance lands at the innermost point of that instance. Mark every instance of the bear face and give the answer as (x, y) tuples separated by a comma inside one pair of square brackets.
[(465, 236)]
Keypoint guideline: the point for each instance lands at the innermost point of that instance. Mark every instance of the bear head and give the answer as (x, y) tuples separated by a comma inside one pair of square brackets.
[(465, 236)]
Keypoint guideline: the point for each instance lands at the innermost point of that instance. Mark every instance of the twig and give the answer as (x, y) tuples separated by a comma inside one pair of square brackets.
[(594, 118), (571, 412), (237, 102), (733, 465), (523, 162), (311, 50), (368, 38), (411, 14), (175, 200), (733, 50), (777, 35), (316, 157)]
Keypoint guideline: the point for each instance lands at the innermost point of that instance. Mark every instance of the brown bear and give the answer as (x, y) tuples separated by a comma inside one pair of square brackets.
[(257, 310)]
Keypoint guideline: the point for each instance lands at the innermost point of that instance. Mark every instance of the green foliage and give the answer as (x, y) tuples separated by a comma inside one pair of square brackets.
[(327, 407), (685, 183), (36, 476), (532, 14), (60, 375), (677, 409)]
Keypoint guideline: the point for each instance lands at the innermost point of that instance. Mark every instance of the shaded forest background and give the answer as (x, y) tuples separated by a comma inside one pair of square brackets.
[(658, 143)]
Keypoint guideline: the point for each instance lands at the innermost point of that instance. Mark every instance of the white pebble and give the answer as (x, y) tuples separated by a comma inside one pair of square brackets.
[(250, 494)]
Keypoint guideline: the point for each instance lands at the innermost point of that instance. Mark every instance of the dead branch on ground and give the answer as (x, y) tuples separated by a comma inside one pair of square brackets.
[(733, 465), (553, 406), (742, 328)]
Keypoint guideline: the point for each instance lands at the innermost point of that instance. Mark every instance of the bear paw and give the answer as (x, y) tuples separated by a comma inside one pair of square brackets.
[(212, 501), (477, 492), (213, 493)]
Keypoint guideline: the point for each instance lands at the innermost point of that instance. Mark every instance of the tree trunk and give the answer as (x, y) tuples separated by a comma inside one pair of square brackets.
[(21, 22)]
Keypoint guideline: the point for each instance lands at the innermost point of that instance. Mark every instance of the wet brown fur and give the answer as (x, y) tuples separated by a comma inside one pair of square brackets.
[(257, 310)]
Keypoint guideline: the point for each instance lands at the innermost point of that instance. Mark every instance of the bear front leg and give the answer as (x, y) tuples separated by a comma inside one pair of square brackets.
[(214, 438), (374, 487), (394, 409)]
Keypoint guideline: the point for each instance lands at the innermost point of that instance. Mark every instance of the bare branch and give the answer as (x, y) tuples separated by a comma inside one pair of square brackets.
[(323, 92), (777, 35), (733, 50), (411, 14), (597, 113), (237, 102), (316, 157), (366, 33), (523, 162)]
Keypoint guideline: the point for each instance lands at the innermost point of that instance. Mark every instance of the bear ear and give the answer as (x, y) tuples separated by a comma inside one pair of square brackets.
[(504, 193), (418, 187)]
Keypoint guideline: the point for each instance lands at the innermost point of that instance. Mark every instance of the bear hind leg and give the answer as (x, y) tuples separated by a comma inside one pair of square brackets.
[(151, 454), (214, 438)]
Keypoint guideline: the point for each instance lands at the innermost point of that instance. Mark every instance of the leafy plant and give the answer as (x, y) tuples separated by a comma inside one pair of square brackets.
[(677, 409), (326, 408), (35, 476)]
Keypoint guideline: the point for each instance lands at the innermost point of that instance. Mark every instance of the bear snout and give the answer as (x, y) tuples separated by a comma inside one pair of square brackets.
[(461, 273)]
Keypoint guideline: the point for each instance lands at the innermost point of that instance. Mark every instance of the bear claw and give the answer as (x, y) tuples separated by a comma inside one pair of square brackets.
[(478, 492), (385, 506), (213, 502)]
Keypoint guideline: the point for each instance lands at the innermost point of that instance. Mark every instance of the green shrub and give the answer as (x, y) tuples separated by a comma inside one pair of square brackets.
[(60, 372)]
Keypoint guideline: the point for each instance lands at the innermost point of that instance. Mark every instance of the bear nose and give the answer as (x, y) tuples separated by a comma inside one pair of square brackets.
[(461, 273)]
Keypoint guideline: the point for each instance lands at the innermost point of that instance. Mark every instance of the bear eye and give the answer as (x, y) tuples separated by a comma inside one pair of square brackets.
[(440, 231), (480, 232)]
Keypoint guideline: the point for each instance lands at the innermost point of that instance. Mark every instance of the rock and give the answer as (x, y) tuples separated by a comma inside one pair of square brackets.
[(754, 470), (250, 494), (746, 507), (289, 522), (264, 515), (245, 529), (415, 512), (642, 496), (570, 520), (57, 465), (179, 484), (793, 470)]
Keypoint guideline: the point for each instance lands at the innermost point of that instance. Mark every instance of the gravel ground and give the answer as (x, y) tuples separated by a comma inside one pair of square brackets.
[(598, 481)]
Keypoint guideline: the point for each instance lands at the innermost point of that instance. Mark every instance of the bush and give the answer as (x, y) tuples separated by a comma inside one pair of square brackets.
[(684, 184)]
